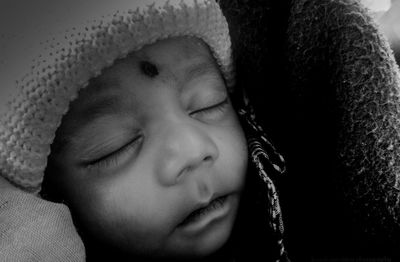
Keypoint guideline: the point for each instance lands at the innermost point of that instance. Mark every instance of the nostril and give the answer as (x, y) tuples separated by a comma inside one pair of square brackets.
[(180, 175), (207, 158), (184, 148), (191, 167)]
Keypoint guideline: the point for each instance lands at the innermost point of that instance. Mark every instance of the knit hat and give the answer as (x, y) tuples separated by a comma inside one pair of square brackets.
[(53, 48)]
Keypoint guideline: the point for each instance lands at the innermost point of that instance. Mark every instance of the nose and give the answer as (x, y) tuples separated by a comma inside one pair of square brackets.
[(185, 148)]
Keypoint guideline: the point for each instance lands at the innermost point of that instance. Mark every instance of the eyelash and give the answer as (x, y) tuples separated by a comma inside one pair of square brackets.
[(113, 157), (216, 108)]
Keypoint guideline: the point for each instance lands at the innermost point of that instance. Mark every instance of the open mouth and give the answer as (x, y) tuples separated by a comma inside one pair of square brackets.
[(198, 214)]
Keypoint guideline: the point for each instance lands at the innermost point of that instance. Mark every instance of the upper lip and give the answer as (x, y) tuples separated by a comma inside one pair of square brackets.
[(206, 203), (200, 205)]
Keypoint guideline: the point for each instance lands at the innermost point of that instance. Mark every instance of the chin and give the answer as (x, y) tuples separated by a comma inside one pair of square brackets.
[(210, 243)]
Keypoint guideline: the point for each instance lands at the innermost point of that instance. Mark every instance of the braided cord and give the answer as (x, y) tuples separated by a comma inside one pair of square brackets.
[(269, 165)]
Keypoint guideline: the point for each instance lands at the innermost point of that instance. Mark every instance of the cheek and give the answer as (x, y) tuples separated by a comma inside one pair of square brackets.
[(233, 152), (125, 211)]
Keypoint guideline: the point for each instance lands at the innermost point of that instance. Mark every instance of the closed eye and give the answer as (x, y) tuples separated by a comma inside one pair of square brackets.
[(218, 107), (114, 157)]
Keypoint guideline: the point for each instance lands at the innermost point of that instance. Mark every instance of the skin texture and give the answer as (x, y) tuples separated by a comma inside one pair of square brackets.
[(138, 152)]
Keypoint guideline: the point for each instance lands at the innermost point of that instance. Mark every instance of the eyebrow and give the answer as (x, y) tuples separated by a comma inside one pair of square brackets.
[(200, 69), (105, 105)]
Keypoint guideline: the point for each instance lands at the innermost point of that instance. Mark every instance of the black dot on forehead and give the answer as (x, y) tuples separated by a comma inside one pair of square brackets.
[(149, 69)]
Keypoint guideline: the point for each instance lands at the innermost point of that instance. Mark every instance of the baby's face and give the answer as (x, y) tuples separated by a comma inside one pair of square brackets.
[(153, 157)]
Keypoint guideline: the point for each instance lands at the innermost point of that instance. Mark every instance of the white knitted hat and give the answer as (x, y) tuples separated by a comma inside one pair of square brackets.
[(49, 49)]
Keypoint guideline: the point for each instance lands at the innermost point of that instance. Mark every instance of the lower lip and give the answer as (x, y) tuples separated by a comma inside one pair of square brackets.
[(215, 211)]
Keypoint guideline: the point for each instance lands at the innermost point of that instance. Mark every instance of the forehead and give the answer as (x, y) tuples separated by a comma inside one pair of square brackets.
[(176, 57)]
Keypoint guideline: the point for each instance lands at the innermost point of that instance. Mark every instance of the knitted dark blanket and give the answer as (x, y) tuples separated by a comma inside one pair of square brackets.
[(324, 81)]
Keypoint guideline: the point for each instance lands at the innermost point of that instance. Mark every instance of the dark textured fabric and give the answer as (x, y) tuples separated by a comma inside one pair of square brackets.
[(326, 90), (343, 42)]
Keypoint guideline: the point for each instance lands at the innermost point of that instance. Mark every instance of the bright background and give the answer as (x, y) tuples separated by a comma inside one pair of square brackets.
[(387, 14)]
